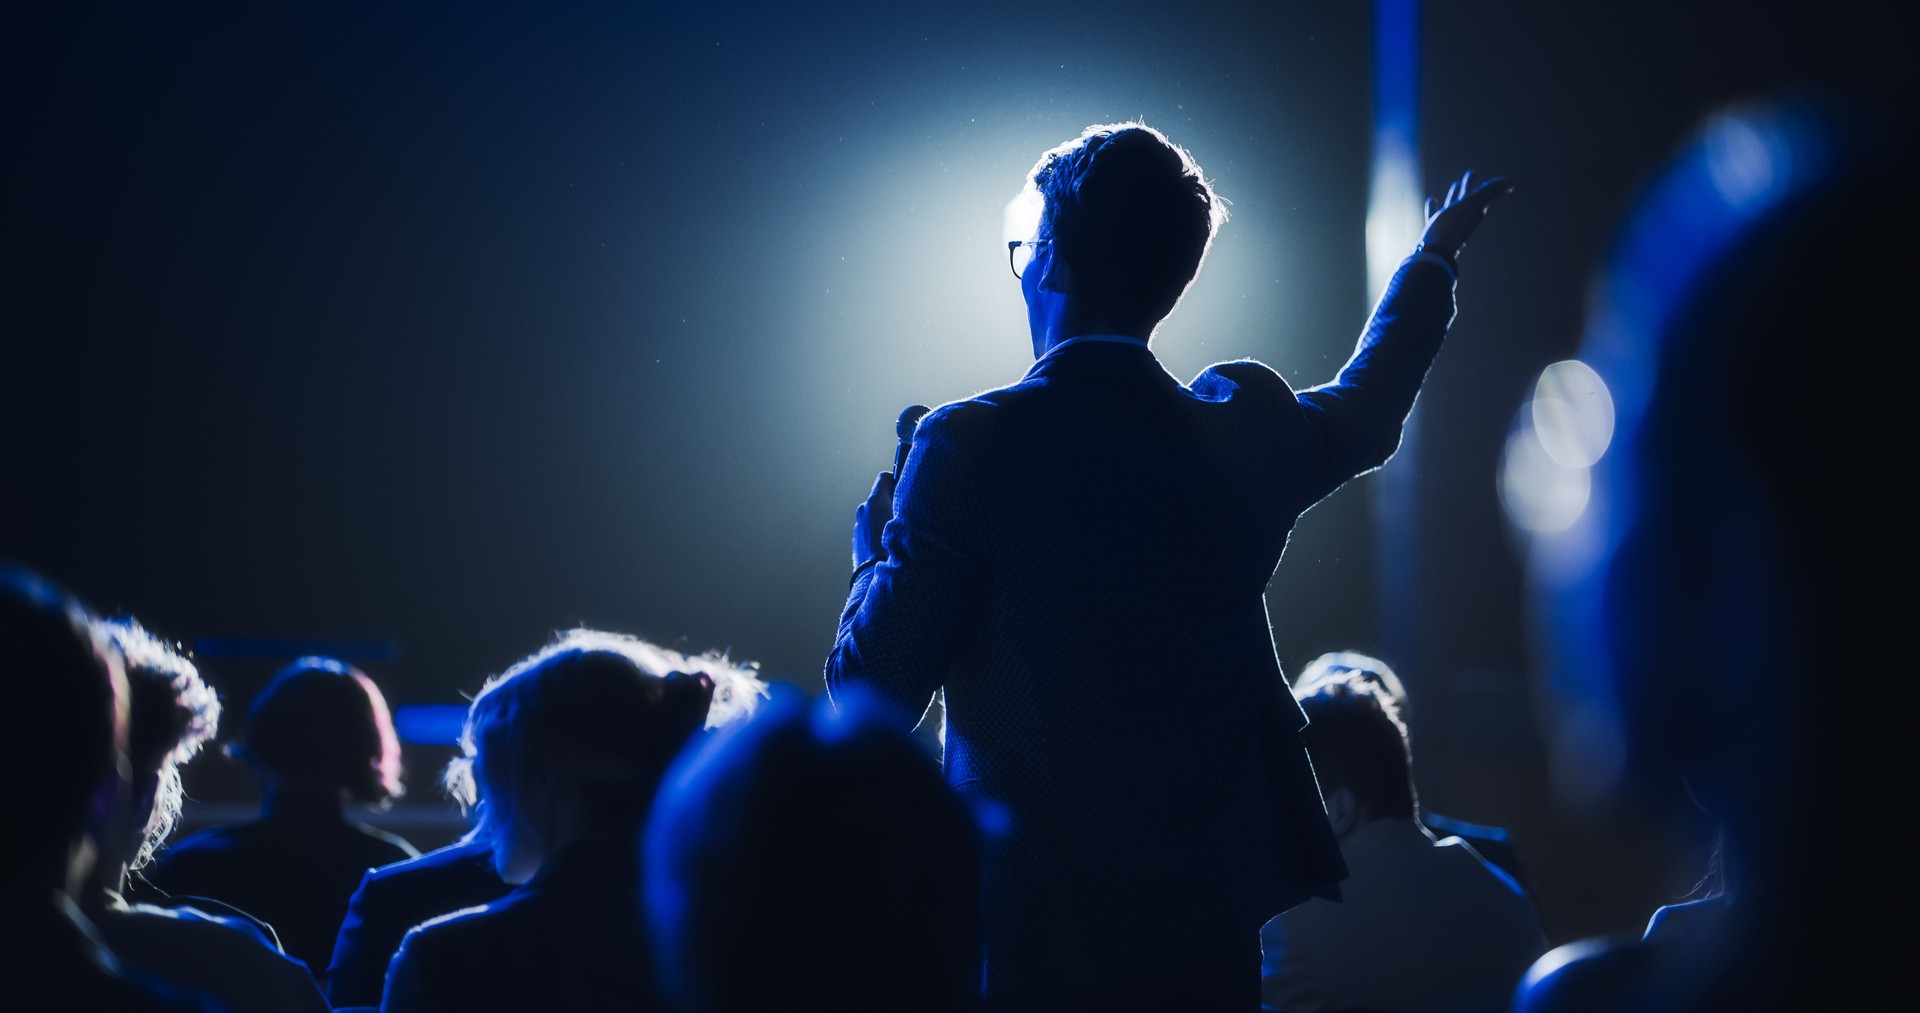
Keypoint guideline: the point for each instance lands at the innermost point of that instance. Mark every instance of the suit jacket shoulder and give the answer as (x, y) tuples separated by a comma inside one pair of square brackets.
[(391, 900), (1223, 381)]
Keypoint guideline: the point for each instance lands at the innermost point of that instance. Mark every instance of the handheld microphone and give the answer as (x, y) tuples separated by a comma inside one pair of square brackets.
[(908, 422)]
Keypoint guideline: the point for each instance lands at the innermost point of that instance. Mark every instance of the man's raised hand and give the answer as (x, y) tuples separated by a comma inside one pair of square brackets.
[(1449, 225)]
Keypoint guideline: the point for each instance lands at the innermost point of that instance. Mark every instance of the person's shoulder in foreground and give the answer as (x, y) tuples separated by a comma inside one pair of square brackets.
[(227, 957), (395, 897)]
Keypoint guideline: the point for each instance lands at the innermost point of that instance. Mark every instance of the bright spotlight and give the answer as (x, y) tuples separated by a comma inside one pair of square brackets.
[(1540, 495), (1021, 219), (1572, 414)]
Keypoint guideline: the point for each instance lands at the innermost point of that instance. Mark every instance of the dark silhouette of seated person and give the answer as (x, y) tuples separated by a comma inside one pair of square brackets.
[(318, 737), (393, 899), (1491, 843), (1422, 924), (171, 714), (1732, 603), (813, 860), (568, 748), (61, 673)]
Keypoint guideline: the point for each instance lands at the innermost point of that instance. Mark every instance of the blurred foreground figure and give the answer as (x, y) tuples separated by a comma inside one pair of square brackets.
[(63, 675), (566, 750), (172, 714), (813, 860), (1422, 924), (1724, 611), (319, 736), (1079, 560)]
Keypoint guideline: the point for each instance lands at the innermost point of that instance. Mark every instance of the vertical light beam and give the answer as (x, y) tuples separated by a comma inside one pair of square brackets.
[(1394, 223), (1394, 218)]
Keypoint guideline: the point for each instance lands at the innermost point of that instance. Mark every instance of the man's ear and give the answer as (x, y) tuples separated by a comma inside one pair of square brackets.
[(1343, 811), (1057, 276)]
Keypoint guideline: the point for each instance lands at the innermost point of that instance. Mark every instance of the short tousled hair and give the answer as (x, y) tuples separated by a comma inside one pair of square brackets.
[(606, 710), (1337, 666), (171, 713), (1358, 742), (323, 722), (1130, 213)]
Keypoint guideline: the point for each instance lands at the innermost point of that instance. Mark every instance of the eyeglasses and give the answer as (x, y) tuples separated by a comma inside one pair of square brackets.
[(1020, 253)]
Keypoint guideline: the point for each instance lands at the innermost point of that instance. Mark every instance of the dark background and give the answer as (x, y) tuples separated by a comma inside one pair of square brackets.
[(454, 324)]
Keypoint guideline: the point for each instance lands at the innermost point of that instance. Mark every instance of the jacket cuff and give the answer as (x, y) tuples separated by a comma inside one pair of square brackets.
[(1428, 256)]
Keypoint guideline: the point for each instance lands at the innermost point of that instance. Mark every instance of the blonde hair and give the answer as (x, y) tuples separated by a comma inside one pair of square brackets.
[(736, 691), (172, 713)]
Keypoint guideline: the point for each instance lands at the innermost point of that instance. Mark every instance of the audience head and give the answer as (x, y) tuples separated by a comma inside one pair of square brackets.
[(1359, 749), (322, 725), (65, 678), (1130, 215), (571, 742), (829, 818), (1345, 666), (171, 713)]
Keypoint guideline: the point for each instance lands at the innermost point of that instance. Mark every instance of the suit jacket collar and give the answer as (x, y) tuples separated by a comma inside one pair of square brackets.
[(1091, 348)]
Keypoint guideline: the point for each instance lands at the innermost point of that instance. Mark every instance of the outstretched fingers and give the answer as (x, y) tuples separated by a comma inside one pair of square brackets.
[(1489, 189)]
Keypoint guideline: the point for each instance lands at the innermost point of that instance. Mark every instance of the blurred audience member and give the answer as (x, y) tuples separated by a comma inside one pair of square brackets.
[(1491, 843), (172, 713), (567, 749), (1735, 548), (319, 736), (64, 677), (1423, 924), (810, 860)]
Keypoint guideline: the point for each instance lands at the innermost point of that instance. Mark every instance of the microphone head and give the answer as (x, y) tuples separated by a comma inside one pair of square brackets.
[(909, 421)]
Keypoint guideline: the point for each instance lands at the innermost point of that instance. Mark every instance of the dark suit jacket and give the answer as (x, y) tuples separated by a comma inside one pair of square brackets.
[(1081, 560), (395, 898), (569, 939), (294, 869)]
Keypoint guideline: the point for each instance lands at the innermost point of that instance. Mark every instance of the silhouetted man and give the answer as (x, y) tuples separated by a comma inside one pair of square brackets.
[(1080, 560)]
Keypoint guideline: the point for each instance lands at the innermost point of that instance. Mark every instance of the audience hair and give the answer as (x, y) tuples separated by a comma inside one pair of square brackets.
[(805, 809), (1340, 666), (171, 714), (1130, 213), (64, 675), (323, 723), (603, 709), (1358, 742)]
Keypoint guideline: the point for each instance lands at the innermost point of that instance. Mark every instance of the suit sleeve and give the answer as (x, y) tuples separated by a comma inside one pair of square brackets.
[(1352, 425), (907, 618)]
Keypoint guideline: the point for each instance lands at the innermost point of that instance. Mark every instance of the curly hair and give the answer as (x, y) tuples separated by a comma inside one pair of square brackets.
[(736, 691), (172, 713)]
